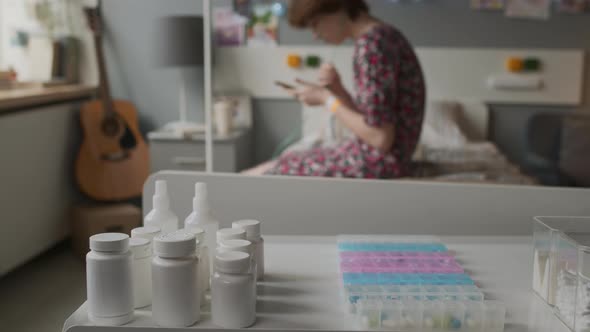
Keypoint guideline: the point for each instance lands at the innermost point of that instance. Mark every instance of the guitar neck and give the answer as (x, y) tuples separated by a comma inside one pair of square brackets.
[(105, 90)]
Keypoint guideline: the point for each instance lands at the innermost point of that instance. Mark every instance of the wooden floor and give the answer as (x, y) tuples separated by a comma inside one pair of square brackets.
[(39, 296)]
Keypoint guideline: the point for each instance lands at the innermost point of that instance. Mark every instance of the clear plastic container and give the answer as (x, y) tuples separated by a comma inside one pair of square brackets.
[(582, 321), (546, 232), (408, 315), (572, 298)]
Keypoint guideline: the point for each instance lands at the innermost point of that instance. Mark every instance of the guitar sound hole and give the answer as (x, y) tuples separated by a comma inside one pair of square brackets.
[(110, 127)]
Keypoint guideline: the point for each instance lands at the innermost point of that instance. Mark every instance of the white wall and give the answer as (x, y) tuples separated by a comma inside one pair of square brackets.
[(130, 53), (1, 29)]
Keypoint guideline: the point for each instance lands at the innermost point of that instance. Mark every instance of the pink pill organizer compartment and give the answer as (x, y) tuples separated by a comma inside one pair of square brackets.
[(417, 264)]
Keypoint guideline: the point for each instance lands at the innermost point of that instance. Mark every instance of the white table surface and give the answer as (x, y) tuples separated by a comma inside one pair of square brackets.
[(301, 291)]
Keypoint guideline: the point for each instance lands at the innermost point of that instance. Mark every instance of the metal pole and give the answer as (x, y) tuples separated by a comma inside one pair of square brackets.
[(208, 85)]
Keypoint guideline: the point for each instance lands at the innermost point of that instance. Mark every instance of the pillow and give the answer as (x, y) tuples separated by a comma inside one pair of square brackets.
[(574, 159), (441, 125)]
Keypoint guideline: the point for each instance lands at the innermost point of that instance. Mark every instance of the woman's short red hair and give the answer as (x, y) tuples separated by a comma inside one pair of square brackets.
[(301, 12)]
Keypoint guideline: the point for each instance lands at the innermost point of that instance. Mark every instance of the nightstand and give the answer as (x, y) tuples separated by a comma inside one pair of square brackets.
[(231, 154)]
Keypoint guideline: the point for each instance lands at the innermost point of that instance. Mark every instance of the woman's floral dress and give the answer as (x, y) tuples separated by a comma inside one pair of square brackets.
[(390, 89)]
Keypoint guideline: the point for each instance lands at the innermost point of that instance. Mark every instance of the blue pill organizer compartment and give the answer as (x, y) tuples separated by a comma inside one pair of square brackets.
[(405, 279), (390, 243)]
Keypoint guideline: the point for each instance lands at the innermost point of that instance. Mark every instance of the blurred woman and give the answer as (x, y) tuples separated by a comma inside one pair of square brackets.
[(386, 113)]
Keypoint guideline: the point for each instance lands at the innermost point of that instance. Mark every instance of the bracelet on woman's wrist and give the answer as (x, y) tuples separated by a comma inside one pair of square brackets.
[(333, 104)]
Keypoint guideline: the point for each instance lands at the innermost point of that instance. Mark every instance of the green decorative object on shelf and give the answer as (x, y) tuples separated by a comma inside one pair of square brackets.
[(313, 61), (532, 64)]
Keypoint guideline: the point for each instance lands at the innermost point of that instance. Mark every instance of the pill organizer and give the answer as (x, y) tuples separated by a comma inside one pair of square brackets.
[(405, 284), (448, 315)]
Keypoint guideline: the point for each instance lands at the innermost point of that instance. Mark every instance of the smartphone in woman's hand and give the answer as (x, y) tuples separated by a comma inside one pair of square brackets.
[(285, 86)]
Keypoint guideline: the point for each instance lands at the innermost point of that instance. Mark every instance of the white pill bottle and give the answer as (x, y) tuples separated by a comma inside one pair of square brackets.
[(141, 249), (175, 291), (109, 284), (253, 234), (202, 252), (233, 299)]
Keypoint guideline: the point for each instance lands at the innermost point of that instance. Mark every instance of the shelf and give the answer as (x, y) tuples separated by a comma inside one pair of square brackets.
[(301, 291), (35, 95)]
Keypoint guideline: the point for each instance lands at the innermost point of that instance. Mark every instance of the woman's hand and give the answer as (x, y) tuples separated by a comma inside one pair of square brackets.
[(311, 94)]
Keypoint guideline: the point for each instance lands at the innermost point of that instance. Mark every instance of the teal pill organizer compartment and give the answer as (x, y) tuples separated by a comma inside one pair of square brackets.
[(405, 279), (364, 243)]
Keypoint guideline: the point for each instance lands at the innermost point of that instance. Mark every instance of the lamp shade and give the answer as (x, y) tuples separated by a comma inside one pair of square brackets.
[(179, 41)]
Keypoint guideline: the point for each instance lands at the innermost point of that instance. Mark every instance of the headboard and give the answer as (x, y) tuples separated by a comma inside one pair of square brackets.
[(461, 74)]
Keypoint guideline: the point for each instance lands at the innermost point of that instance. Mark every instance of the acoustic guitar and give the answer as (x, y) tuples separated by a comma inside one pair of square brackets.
[(113, 162)]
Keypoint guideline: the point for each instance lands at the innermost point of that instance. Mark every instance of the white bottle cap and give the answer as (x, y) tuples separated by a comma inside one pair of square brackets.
[(109, 242), (232, 262), (198, 232), (252, 228), (201, 189), (161, 187), (201, 210), (140, 248), (230, 234), (147, 232), (161, 200), (235, 245), (175, 245)]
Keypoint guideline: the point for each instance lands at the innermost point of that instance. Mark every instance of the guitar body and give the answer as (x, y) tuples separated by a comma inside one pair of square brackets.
[(113, 162), (111, 168)]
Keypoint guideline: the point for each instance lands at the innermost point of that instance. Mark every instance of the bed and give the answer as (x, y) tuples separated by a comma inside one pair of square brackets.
[(452, 147)]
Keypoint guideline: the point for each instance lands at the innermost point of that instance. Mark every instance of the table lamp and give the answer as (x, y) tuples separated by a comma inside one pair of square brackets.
[(179, 44)]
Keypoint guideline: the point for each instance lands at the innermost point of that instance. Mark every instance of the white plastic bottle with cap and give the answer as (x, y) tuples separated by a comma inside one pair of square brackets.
[(225, 234), (109, 283), (253, 234), (240, 246), (244, 246), (161, 216), (201, 217), (175, 301), (141, 271), (202, 253), (146, 232), (233, 301)]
